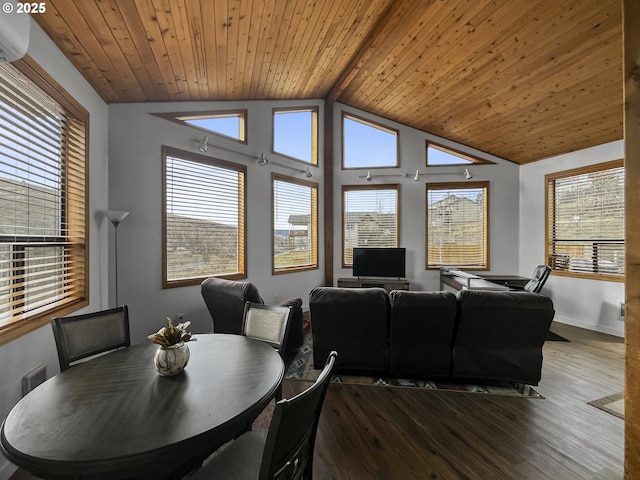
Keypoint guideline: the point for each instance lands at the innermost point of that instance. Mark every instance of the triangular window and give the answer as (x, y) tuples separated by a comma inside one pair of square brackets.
[(228, 124), (437, 155)]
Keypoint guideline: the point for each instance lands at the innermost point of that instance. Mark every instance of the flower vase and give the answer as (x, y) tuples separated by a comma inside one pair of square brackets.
[(171, 360)]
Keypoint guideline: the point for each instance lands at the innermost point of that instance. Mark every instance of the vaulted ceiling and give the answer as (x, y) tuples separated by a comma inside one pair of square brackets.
[(520, 79)]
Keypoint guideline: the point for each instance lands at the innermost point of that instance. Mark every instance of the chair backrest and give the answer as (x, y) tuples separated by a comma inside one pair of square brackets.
[(538, 279), (268, 323), (225, 300), (83, 336), (288, 451)]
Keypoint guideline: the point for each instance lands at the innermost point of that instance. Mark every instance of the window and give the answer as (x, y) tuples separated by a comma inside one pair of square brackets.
[(228, 123), (369, 218), (439, 155), (585, 221), (204, 218), (43, 203), (366, 144), (458, 225), (295, 224), (295, 133)]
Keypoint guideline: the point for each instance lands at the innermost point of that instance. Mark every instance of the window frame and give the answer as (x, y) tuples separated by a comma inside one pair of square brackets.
[(372, 124), (313, 224), (456, 153), (315, 111), (349, 188), (182, 117), (25, 323), (486, 219), (550, 220), (242, 210)]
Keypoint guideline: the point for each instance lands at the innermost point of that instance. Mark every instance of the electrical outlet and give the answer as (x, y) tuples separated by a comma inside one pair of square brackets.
[(179, 317)]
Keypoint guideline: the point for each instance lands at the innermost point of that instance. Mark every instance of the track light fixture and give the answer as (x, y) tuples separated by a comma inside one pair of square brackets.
[(369, 177), (467, 174), (416, 177), (262, 160), (202, 145), (308, 173)]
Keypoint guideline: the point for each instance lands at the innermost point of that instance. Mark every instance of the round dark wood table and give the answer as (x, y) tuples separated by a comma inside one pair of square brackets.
[(116, 417)]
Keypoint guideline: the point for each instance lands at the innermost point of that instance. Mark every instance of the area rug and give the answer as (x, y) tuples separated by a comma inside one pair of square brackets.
[(301, 368), (613, 404)]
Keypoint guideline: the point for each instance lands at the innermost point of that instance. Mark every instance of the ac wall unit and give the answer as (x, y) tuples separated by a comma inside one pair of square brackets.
[(14, 32)]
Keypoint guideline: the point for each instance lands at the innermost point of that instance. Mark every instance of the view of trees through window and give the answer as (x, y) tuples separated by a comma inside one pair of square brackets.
[(457, 225), (369, 218), (204, 218), (295, 224), (43, 229), (586, 220)]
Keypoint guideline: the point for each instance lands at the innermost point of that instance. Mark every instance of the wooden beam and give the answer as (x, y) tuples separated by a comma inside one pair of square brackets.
[(631, 69)]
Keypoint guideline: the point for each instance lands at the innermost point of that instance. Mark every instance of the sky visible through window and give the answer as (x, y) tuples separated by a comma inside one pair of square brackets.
[(436, 156), (292, 134), (368, 147), (228, 125)]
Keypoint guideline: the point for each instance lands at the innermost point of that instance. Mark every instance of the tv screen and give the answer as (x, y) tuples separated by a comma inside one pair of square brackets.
[(379, 262)]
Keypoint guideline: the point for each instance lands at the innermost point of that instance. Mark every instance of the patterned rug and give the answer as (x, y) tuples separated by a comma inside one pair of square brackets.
[(613, 404), (301, 368)]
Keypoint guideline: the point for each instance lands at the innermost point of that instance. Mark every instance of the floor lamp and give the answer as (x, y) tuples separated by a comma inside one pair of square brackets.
[(115, 217)]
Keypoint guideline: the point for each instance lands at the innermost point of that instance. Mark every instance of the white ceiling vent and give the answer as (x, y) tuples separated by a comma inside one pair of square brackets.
[(15, 25)]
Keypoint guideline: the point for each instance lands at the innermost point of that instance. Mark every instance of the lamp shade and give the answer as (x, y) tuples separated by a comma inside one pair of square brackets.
[(115, 216)]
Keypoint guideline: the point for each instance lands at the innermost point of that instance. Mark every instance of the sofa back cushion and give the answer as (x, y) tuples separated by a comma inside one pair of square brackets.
[(421, 332), (225, 300), (500, 335), (354, 322)]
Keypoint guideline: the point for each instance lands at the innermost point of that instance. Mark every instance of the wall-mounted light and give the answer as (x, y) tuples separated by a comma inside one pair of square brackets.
[(263, 160), (416, 177), (202, 145), (467, 174)]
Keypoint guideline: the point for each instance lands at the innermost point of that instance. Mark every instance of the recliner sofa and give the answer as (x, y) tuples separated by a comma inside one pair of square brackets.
[(474, 335)]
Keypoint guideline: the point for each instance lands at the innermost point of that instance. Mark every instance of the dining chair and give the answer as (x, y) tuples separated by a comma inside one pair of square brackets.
[(286, 451), (81, 337)]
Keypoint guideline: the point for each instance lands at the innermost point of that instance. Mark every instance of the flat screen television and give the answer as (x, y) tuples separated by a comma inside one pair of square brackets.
[(379, 262)]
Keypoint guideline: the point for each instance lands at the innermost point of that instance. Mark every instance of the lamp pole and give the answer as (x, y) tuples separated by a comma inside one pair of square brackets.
[(115, 217)]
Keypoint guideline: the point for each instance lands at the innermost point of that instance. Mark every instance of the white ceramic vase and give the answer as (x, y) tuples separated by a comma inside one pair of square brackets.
[(171, 361)]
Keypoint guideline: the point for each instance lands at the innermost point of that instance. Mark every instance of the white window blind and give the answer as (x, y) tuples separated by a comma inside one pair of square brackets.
[(370, 218), (457, 225), (42, 200), (586, 220), (204, 221), (295, 224)]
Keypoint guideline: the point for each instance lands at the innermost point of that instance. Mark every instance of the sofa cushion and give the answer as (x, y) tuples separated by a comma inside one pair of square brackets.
[(421, 332), (354, 322), (500, 335)]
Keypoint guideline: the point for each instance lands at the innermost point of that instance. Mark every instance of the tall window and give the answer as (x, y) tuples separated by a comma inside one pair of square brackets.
[(204, 218), (458, 225), (369, 218), (43, 205), (295, 224), (367, 144), (295, 133), (585, 221)]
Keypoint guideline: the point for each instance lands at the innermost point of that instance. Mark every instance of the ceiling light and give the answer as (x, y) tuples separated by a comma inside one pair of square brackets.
[(202, 145)]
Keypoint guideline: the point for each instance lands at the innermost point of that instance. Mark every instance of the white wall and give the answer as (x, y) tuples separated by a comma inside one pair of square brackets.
[(38, 347), (135, 172), (503, 199), (591, 304)]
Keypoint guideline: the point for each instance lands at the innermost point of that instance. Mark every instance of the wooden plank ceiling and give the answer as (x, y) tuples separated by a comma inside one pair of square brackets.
[(520, 79)]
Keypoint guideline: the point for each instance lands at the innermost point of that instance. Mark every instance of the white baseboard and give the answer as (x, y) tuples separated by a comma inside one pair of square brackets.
[(609, 330)]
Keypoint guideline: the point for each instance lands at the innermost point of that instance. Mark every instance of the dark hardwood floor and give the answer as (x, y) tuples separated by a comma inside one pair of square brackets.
[(369, 432)]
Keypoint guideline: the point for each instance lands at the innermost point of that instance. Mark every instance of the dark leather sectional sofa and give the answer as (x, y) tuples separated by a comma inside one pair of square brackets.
[(474, 335)]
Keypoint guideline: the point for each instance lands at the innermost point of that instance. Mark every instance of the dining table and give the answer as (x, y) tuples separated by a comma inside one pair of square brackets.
[(115, 417)]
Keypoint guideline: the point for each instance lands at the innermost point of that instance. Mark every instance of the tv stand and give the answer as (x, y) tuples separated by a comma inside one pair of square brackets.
[(366, 282)]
